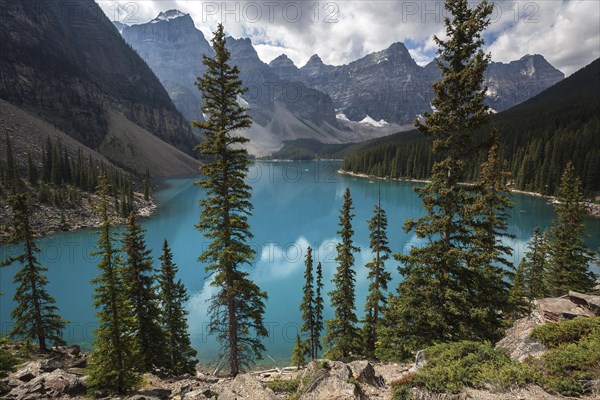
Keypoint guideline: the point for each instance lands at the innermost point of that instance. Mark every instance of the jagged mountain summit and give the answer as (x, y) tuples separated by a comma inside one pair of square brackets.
[(281, 109), (389, 85), (378, 94)]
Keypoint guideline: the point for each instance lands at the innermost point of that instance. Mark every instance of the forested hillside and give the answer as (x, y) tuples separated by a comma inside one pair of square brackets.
[(538, 138)]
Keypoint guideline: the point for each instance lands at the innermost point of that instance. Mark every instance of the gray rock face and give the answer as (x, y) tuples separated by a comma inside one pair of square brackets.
[(173, 48), (330, 383), (246, 387), (57, 383), (66, 62), (285, 69), (518, 343), (389, 84)]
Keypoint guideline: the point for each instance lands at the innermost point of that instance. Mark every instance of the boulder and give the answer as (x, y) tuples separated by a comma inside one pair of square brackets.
[(331, 381), (245, 387), (518, 343), (557, 309), (587, 301), (364, 372), (57, 383)]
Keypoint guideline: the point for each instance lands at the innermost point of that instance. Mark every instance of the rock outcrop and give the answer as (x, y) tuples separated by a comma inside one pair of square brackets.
[(518, 343)]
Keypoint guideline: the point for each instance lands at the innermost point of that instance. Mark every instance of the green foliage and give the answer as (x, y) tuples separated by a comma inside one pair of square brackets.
[(568, 332), (318, 310), (519, 301), (307, 307), (113, 362), (537, 139), (284, 386), (464, 224), (7, 363), (452, 366), (379, 278), (569, 256), (137, 280), (299, 352), (570, 368), (173, 296), (342, 335), (236, 310), (35, 315), (401, 392)]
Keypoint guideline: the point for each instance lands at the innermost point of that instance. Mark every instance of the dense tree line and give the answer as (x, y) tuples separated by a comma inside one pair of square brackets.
[(59, 176), (142, 325), (537, 138)]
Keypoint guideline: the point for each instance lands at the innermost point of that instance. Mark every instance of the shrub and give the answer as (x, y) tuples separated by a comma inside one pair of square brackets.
[(7, 363), (506, 376), (452, 366), (279, 385), (570, 368), (554, 335), (401, 392)]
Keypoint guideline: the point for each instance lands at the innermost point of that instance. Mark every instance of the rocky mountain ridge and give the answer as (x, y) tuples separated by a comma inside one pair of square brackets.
[(378, 94), (68, 65)]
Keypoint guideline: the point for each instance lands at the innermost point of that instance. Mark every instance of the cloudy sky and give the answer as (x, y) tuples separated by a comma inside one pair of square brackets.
[(566, 32)]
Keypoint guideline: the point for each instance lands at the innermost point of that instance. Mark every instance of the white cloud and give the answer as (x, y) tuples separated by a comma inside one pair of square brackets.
[(565, 32)]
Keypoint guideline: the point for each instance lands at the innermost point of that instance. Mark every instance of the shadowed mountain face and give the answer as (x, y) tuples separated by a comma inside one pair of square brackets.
[(66, 62), (173, 48), (376, 95), (389, 85)]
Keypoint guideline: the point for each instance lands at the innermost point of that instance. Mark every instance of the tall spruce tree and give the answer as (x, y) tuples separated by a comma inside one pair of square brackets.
[(488, 262), (307, 307), (378, 277), (35, 315), (342, 335), (570, 258), (519, 301), (434, 301), (536, 265), (237, 309), (114, 361), (138, 276), (318, 310), (178, 348)]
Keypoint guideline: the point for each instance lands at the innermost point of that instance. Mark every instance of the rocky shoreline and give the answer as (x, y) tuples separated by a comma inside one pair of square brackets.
[(48, 220), (61, 372), (593, 209)]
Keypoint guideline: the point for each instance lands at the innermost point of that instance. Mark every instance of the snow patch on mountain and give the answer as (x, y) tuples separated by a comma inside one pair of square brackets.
[(370, 121), (167, 16), (341, 117)]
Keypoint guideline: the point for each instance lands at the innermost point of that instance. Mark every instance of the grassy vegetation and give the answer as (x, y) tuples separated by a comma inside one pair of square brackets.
[(286, 386), (569, 368)]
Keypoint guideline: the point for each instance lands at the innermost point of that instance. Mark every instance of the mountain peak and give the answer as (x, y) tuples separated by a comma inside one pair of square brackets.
[(315, 60), (282, 60), (168, 15)]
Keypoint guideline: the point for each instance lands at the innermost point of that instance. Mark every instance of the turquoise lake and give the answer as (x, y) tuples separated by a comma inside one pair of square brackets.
[(295, 205)]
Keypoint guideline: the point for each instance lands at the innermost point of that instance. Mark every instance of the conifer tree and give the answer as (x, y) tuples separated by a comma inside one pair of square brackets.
[(536, 265), (342, 334), (570, 258), (178, 351), (32, 174), (138, 277), (518, 298), (299, 353), (307, 306), (434, 302), (318, 310), (35, 315), (488, 259), (378, 277), (12, 171), (114, 360), (237, 309)]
